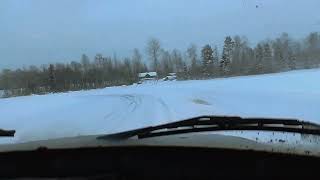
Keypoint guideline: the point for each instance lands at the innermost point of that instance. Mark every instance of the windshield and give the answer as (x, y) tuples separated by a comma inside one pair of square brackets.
[(80, 67)]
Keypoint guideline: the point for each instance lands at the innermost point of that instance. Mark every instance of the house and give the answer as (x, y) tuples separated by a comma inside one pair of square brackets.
[(147, 76)]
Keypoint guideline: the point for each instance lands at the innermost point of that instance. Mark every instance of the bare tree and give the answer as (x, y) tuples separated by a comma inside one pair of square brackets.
[(153, 51), (192, 56), (166, 64), (137, 65), (177, 60), (85, 61)]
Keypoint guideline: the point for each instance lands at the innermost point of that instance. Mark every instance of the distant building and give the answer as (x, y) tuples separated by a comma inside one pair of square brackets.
[(170, 77), (147, 76)]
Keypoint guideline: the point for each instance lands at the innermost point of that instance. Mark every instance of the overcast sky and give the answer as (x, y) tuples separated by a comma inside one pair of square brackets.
[(43, 31)]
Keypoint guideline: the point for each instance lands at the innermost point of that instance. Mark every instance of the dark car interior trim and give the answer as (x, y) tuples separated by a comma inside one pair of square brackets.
[(152, 163)]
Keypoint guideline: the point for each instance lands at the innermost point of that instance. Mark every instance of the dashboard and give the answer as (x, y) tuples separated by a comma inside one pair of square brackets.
[(143, 162)]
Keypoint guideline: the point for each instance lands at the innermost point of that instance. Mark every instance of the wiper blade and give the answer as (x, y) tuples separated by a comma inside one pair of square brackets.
[(220, 123), (7, 133)]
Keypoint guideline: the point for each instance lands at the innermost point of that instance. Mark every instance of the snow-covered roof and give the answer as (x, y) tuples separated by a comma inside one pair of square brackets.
[(172, 74), (152, 74)]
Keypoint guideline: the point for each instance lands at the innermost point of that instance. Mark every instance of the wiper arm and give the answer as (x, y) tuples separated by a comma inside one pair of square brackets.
[(7, 133), (220, 123)]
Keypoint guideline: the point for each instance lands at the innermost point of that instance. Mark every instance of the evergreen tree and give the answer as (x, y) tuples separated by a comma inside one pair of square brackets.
[(291, 60), (215, 60), (236, 55), (226, 55), (277, 56), (258, 65), (52, 78), (207, 60), (186, 73), (267, 58)]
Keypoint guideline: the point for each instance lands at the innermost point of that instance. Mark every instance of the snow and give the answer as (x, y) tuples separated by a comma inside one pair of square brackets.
[(294, 94)]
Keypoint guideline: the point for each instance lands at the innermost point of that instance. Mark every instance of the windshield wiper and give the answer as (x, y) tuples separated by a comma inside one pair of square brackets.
[(220, 123), (7, 133)]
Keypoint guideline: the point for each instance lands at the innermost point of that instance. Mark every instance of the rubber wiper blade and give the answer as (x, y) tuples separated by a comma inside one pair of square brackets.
[(221, 123), (7, 133), (126, 134)]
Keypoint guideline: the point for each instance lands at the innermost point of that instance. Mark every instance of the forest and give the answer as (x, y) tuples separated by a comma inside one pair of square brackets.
[(235, 58)]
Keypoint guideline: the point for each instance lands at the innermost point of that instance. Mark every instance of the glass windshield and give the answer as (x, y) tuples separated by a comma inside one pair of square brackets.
[(80, 67)]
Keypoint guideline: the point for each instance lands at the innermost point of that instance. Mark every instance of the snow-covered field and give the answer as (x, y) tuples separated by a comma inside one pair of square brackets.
[(293, 94)]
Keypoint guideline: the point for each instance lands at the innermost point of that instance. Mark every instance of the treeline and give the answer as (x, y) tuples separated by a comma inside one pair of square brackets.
[(235, 58), (59, 77)]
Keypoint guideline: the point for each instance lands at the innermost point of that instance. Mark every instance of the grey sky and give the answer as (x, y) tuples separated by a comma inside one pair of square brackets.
[(43, 31)]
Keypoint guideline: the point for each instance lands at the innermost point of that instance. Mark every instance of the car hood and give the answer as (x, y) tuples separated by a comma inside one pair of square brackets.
[(201, 140)]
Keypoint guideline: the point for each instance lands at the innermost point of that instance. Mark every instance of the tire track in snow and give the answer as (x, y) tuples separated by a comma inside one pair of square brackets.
[(165, 108), (124, 112), (133, 101), (127, 104), (138, 110), (128, 111)]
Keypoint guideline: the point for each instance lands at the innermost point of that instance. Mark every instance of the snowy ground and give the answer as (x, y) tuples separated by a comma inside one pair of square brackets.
[(287, 95)]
